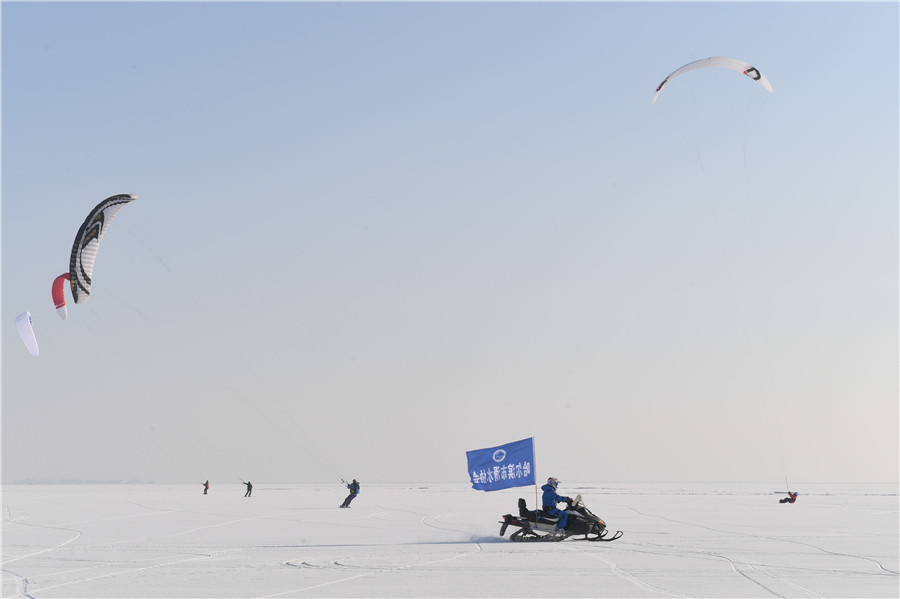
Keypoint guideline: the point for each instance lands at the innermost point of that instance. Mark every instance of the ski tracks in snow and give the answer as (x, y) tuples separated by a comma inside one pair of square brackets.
[(781, 540), (126, 571), (759, 569), (21, 585), (795, 586), (21, 581), (426, 519), (368, 571), (75, 536), (429, 521), (638, 582)]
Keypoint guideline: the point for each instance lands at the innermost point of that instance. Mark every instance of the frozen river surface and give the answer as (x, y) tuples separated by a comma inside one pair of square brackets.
[(410, 540)]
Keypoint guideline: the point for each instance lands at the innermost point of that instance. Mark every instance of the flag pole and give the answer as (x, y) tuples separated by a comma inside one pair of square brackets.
[(537, 504)]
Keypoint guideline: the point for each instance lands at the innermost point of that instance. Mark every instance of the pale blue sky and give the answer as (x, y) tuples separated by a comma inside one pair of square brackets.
[(373, 236)]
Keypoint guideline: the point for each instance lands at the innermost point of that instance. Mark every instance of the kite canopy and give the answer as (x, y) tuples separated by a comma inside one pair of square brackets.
[(58, 291), (722, 62), (26, 332), (87, 242)]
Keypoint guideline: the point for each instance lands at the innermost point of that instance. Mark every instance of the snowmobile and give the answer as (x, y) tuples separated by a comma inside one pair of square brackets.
[(535, 525)]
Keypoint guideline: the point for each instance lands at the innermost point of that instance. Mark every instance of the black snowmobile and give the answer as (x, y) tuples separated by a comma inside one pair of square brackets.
[(538, 526)]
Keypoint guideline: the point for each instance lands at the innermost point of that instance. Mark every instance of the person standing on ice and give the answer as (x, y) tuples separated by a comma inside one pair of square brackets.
[(354, 491), (205, 487), (549, 501), (249, 488), (791, 498)]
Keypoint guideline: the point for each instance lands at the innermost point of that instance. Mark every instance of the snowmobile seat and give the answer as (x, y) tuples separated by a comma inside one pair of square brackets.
[(525, 513), (547, 518)]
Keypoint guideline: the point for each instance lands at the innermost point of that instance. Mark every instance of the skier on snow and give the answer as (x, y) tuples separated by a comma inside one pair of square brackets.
[(354, 491), (791, 498)]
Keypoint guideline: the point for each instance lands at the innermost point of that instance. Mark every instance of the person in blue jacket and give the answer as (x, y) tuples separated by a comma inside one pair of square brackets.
[(354, 491), (549, 501)]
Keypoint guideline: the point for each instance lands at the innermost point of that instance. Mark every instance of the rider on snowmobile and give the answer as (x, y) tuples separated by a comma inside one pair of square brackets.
[(550, 499)]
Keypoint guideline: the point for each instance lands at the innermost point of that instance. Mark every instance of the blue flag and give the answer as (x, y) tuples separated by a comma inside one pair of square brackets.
[(502, 467)]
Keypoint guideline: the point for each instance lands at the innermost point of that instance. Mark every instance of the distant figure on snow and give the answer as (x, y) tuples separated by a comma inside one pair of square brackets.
[(791, 498), (205, 487), (354, 491), (249, 488)]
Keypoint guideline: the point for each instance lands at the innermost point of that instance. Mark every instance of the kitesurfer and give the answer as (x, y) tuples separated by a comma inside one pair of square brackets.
[(549, 501), (791, 498), (354, 491), (249, 488), (205, 487)]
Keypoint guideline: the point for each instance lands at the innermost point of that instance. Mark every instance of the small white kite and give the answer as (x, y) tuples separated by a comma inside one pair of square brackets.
[(26, 332)]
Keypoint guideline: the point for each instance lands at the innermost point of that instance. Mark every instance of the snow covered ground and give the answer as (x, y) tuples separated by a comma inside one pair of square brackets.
[(410, 540)]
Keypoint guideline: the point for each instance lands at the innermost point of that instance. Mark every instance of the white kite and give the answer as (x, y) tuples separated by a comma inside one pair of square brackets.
[(722, 62), (26, 332)]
